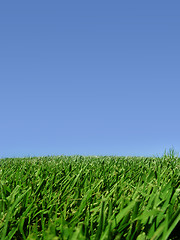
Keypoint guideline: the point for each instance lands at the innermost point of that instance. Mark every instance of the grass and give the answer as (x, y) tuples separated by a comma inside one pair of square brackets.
[(98, 198)]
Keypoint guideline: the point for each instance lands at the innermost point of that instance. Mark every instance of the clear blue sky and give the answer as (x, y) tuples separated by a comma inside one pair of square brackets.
[(89, 77)]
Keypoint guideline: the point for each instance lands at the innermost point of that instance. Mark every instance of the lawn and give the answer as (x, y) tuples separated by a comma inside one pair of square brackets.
[(78, 197)]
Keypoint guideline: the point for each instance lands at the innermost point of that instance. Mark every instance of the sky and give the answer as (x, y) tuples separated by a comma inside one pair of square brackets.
[(89, 77)]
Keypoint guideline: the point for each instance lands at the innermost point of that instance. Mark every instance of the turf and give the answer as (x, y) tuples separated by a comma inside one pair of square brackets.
[(76, 197)]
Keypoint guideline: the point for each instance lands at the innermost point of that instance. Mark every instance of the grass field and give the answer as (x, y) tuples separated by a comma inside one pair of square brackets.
[(90, 198)]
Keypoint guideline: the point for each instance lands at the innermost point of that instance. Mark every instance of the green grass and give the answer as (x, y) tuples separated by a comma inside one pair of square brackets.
[(97, 198)]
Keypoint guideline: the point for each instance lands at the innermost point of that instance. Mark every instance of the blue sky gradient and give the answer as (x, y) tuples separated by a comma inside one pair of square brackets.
[(89, 77)]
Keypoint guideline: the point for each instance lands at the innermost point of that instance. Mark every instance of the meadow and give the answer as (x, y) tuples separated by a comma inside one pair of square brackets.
[(100, 198)]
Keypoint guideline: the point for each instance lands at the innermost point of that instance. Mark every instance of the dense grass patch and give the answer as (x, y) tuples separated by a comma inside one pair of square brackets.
[(90, 198)]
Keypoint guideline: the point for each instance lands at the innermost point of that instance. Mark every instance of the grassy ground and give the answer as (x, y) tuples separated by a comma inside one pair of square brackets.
[(90, 198)]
